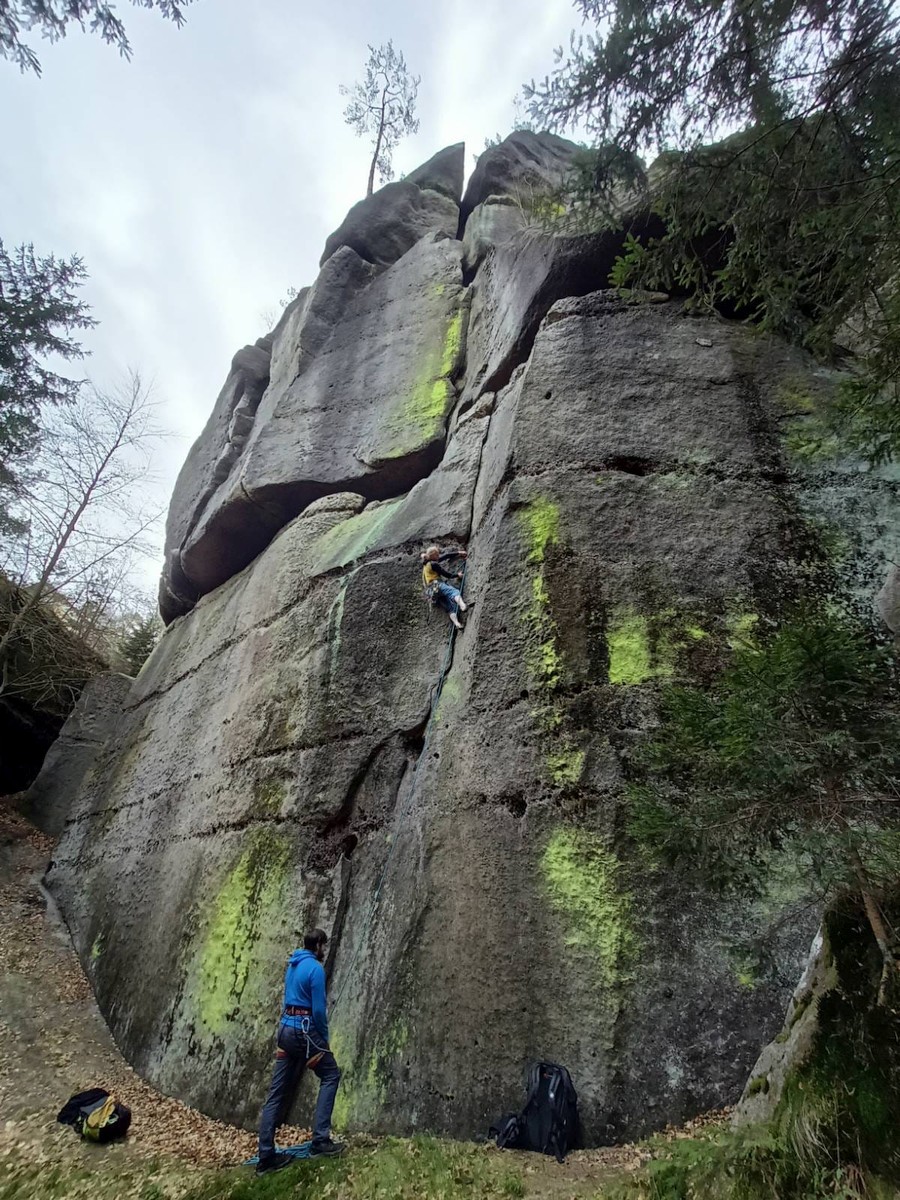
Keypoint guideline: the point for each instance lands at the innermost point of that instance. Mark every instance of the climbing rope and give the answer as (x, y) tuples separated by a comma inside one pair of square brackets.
[(436, 695)]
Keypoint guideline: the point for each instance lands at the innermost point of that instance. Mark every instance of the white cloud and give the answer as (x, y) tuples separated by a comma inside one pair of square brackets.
[(200, 180)]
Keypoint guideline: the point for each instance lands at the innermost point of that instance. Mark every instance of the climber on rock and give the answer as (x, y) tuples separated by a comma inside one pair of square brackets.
[(436, 587), (302, 1043)]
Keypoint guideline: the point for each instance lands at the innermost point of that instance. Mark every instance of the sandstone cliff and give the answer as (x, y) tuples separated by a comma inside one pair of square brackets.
[(632, 484)]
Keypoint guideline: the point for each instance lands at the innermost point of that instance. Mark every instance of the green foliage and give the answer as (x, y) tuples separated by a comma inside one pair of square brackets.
[(139, 641), (51, 18), (39, 310), (791, 222), (843, 1104), (384, 107), (796, 742), (752, 1164)]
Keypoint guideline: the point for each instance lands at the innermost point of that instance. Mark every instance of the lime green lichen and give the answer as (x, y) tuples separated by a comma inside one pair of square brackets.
[(794, 398), (540, 523), (581, 874), (545, 664), (809, 436), (364, 1086), (746, 976), (629, 649), (97, 947), (348, 540), (378, 1069), (248, 895), (565, 765), (418, 418), (643, 647), (740, 626), (344, 1054)]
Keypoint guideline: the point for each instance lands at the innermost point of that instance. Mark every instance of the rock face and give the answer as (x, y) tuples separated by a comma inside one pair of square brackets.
[(522, 164), (306, 746), (72, 755)]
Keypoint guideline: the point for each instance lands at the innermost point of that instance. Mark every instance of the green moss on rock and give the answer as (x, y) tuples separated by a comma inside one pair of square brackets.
[(249, 896), (348, 540), (633, 656), (418, 418), (365, 1080), (581, 874), (540, 524)]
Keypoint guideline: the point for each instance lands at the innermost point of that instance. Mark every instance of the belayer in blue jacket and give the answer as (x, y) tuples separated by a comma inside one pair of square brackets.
[(302, 1043)]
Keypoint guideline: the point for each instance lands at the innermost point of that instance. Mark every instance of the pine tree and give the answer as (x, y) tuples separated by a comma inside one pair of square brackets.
[(51, 18), (797, 743), (39, 310), (384, 106), (138, 644), (779, 182)]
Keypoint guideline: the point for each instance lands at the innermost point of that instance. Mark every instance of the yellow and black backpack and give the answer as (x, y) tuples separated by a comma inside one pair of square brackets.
[(96, 1116)]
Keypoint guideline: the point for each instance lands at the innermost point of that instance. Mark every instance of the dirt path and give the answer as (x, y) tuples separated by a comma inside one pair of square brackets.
[(53, 1043)]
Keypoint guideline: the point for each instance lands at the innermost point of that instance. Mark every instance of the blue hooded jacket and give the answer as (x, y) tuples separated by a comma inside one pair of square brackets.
[(304, 987)]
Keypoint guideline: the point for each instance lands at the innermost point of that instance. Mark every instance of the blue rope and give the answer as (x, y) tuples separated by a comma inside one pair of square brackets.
[(448, 659)]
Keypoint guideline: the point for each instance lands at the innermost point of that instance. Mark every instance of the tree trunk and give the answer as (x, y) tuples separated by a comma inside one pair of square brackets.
[(876, 923), (62, 542), (378, 141)]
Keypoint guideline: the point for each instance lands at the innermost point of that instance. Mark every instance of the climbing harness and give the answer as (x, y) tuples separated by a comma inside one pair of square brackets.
[(435, 697)]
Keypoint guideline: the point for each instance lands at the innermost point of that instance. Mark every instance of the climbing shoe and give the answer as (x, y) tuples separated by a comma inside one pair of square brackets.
[(274, 1162), (326, 1149)]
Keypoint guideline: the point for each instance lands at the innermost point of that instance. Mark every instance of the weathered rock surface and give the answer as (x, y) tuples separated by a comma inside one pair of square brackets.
[(523, 165), (443, 173), (794, 1044), (490, 224), (363, 381), (888, 600), (620, 476), (386, 224), (72, 755)]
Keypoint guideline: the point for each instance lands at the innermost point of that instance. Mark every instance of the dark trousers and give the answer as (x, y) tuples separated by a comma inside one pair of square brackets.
[(295, 1048)]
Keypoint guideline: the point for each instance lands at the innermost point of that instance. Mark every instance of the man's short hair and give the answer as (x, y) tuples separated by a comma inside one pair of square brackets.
[(314, 939)]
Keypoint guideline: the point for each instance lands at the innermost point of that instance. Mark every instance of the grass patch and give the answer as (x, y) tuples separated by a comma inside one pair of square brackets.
[(752, 1164), (392, 1169), (397, 1168)]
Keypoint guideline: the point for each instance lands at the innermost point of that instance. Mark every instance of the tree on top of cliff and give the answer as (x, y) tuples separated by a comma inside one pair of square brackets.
[(51, 18), (383, 106), (793, 220), (795, 745)]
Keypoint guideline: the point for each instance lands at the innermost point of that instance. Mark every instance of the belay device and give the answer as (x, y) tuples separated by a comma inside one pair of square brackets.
[(548, 1123)]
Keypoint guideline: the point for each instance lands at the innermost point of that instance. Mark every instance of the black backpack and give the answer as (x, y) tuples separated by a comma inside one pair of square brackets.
[(548, 1123), (96, 1116)]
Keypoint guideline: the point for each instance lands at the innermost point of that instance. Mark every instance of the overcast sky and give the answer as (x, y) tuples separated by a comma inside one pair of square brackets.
[(200, 180)]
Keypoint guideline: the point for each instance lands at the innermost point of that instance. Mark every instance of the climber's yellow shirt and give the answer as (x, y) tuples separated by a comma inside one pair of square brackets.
[(429, 574)]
